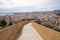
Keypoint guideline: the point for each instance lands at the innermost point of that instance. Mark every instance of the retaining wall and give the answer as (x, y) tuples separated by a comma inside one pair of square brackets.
[(46, 33), (10, 32)]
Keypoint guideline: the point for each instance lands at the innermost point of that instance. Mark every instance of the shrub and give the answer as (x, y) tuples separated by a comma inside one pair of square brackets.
[(3, 23), (23, 19), (38, 21), (49, 26), (10, 23), (58, 14), (28, 19), (32, 19), (57, 29)]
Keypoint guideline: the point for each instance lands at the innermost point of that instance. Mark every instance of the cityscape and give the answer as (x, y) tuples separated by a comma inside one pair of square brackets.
[(46, 18), (29, 19)]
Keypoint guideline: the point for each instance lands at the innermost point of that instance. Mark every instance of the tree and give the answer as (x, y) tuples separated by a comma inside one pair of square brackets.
[(38, 21), (3, 23), (10, 23), (23, 19)]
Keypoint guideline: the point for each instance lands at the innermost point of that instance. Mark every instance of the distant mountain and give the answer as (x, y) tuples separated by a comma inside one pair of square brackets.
[(56, 10)]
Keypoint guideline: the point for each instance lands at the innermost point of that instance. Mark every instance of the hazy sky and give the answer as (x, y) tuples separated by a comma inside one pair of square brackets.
[(28, 5)]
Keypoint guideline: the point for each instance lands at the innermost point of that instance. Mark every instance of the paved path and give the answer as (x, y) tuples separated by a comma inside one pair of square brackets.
[(29, 33)]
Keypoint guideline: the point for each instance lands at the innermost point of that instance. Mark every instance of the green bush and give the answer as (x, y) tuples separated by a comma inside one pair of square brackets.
[(3, 23), (49, 26), (58, 14), (23, 19), (57, 29), (28, 19), (32, 19), (38, 21), (10, 23)]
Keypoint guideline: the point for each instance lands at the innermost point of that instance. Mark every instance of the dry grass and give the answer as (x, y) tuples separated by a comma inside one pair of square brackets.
[(10, 32), (46, 33)]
